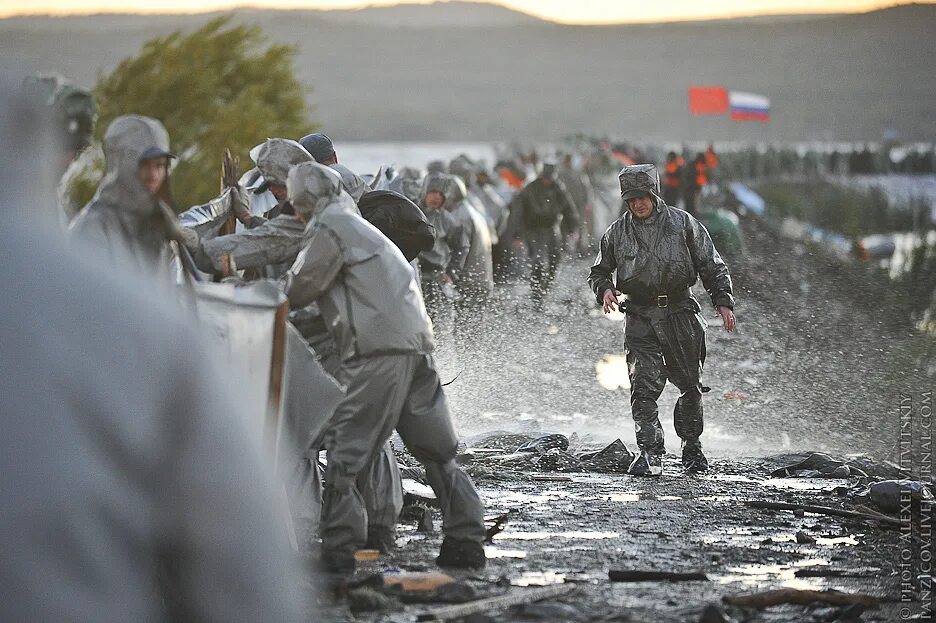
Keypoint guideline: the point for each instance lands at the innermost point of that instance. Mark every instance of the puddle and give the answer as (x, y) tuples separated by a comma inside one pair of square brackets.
[(495, 552), (539, 578), (669, 498), (535, 536), (715, 498), (611, 371), (785, 575), (838, 540), (805, 484), (403, 539), (633, 496), (729, 478), (541, 499)]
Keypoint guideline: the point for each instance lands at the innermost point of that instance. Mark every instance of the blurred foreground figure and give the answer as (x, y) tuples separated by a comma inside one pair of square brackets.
[(129, 486), (73, 116), (369, 298), (654, 254)]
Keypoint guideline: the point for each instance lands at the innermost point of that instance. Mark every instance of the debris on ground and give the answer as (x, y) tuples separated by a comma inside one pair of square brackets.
[(512, 598), (631, 575), (886, 494), (819, 465), (802, 597)]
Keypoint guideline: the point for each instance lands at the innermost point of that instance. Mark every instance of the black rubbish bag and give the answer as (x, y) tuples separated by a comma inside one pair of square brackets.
[(400, 220)]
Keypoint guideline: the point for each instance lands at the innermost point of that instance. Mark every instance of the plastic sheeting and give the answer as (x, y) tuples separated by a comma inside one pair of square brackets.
[(309, 399), (241, 320), (748, 198)]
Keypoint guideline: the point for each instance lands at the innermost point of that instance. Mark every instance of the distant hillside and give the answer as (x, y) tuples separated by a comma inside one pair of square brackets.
[(463, 70)]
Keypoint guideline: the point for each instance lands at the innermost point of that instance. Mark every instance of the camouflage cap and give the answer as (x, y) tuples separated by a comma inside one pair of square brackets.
[(638, 180)]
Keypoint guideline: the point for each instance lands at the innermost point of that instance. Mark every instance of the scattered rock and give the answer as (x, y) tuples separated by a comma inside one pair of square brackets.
[(547, 611), (546, 443), (426, 523), (366, 599), (556, 460), (713, 613), (886, 494), (614, 458)]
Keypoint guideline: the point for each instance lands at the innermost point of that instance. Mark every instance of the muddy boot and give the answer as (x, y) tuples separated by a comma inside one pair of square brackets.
[(646, 464), (381, 538), (692, 458), (461, 555)]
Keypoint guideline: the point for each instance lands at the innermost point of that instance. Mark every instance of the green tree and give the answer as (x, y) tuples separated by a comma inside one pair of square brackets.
[(219, 86)]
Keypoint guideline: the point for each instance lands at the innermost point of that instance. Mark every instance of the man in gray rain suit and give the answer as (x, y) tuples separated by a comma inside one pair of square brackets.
[(125, 220), (268, 245), (653, 254), (444, 264), (372, 306), (476, 283)]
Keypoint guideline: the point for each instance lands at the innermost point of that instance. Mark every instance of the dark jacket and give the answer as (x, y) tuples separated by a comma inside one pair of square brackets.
[(539, 207), (680, 251)]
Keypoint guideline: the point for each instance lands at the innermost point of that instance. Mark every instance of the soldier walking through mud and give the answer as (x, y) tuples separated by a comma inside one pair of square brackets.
[(653, 254), (537, 213)]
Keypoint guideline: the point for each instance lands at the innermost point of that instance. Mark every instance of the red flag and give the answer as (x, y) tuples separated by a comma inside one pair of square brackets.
[(708, 100)]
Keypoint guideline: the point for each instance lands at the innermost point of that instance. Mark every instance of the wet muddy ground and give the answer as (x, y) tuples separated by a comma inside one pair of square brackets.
[(578, 530)]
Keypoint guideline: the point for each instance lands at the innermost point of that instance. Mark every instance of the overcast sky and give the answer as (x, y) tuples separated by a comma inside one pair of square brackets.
[(570, 11)]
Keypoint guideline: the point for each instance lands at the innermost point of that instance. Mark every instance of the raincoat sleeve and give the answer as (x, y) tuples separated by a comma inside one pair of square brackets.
[(272, 242), (459, 240), (600, 277), (709, 264), (315, 269), (570, 217), (515, 216)]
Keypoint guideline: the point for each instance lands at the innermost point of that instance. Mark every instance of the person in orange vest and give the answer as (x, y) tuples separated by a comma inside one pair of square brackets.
[(711, 158), (697, 178), (673, 179)]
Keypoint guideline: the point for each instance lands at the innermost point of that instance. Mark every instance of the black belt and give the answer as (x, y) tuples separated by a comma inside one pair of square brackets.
[(659, 300)]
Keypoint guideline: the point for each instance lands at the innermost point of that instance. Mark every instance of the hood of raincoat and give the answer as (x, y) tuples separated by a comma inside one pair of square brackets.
[(408, 183), (311, 187), (275, 156), (450, 186), (353, 183), (638, 180), (127, 140), (463, 166)]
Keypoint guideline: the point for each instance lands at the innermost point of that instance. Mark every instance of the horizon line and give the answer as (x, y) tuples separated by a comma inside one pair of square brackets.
[(871, 7)]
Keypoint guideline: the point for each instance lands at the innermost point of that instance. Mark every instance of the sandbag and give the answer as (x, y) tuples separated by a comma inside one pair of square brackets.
[(400, 220)]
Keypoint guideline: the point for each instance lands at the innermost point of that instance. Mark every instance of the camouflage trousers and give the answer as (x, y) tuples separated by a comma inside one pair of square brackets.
[(661, 345)]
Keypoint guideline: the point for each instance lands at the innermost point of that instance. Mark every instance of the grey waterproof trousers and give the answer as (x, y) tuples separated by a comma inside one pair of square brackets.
[(545, 248), (661, 345), (383, 393)]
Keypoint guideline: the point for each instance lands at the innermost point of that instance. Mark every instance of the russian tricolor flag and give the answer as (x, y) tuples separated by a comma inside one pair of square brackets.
[(749, 106)]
